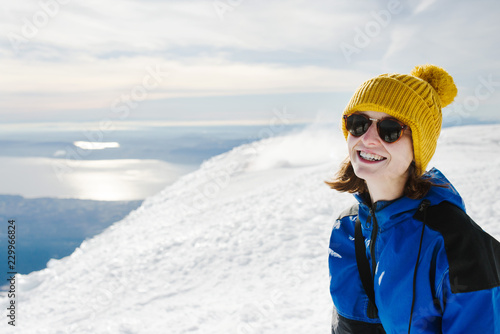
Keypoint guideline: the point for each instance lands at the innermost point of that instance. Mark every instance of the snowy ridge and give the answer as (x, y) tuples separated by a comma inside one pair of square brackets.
[(238, 246)]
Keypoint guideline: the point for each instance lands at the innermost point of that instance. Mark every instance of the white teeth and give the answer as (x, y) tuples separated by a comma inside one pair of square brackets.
[(371, 157)]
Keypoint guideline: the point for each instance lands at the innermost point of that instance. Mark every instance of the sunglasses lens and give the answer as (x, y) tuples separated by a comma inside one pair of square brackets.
[(389, 130), (357, 125)]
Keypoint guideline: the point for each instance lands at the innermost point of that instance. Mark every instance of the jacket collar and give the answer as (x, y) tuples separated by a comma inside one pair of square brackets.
[(389, 213)]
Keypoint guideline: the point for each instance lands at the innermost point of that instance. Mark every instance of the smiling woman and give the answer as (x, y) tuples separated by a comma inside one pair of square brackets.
[(384, 164), (403, 256)]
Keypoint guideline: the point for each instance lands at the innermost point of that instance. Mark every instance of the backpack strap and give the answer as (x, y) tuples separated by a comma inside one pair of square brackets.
[(363, 264)]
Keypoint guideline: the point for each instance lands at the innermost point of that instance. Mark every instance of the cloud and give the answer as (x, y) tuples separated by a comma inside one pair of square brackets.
[(423, 5), (97, 83), (69, 55), (148, 26)]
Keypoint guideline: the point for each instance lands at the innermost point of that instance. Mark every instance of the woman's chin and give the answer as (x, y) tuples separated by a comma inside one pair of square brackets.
[(366, 172)]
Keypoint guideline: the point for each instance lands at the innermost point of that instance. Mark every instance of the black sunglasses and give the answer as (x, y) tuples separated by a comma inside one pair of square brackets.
[(389, 129)]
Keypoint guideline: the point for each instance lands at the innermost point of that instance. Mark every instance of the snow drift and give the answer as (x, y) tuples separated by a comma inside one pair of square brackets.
[(238, 246)]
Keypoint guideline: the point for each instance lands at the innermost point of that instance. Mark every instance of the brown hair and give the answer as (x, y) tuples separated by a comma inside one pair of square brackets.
[(346, 181)]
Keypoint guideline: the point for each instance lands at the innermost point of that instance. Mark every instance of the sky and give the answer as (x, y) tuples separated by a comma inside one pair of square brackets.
[(234, 60)]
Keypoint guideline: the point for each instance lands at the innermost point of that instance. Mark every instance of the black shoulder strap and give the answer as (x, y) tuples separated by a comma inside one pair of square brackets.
[(362, 262)]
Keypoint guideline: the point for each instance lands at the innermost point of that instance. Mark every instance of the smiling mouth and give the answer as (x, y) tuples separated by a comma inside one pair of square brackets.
[(370, 156)]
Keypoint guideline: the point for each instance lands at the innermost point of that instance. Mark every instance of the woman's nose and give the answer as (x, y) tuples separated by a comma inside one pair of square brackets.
[(371, 136)]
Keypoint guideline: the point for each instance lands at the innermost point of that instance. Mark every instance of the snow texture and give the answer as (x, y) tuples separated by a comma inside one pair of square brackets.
[(238, 246)]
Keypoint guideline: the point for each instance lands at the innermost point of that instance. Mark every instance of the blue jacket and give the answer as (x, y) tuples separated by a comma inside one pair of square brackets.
[(457, 277)]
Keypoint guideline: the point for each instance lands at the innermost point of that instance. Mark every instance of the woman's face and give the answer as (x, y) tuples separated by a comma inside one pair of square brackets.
[(374, 160)]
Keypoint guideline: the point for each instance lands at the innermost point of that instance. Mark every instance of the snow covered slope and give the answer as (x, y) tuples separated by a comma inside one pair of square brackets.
[(238, 246)]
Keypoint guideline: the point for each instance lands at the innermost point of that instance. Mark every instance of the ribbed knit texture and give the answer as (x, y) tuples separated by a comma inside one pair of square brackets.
[(412, 100)]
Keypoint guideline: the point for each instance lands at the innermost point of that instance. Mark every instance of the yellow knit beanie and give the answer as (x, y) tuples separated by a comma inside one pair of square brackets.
[(415, 99)]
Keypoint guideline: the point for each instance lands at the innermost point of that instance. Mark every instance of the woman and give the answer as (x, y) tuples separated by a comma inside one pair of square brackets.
[(407, 258)]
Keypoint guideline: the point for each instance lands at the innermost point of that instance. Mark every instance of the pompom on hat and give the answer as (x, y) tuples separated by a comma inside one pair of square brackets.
[(415, 99)]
